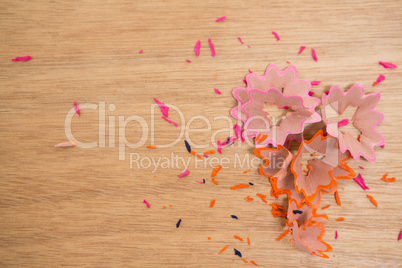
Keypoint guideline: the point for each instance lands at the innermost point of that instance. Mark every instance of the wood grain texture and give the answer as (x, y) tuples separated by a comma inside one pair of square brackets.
[(83, 207)]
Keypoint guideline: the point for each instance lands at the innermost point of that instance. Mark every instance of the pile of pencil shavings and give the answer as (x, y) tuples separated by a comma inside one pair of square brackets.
[(304, 176)]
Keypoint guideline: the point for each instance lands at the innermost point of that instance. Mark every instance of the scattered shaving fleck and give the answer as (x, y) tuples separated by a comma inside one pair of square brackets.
[(327, 206), (223, 249), (188, 61), (400, 235), (234, 217), (240, 40), (372, 200), (187, 146), (336, 234), (211, 45), (185, 173), (141, 51), (388, 65), (217, 91), (359, 180), (313, 54), (212, 203), (221, 18), (379, 80), (340, 219), (238, 253), (315, 83), (145, 202), (239, 186), (238, 237), (276, 35), (384, 178), (197, 48), (178, 224), (301, 49), (343, 122), (25, 58), (164, 108), (151, 146), (66, 144), (215, 171), (170, 121), (77, 109)]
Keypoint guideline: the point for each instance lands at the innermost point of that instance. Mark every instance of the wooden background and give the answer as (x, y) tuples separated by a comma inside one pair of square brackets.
[(83, 207)]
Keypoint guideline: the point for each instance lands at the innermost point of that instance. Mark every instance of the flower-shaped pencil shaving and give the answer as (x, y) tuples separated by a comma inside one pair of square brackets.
[(288, 103), (364, 120)]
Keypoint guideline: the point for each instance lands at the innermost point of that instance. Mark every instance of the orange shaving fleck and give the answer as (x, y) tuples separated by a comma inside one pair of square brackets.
[(239, 186), (244, 172), (224, 248), (151, 146), (262, 197), (250, 199), (384, 178), (374, 83), (372, 200), (164, 206), (195, 154), (262, 138), (282, 235), (327, 206), (214, 181), (338, 201), (215, 171), (209, 238), (209, 152), (212, 203), (170, 205), (248, 240), (253, 262), (238, 237), (340, 219), (247, 197), (258, 137), (244, 260)]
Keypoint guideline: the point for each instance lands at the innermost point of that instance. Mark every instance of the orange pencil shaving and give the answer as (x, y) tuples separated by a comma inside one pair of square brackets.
[(258, 137), (262, 197), (212, 203), (384, 178), (151, 146), (215, 171), (338, 201), (238, 237), (340, 219), (250, 199), (282, 235), (262, 139), (209, 152), (224, 248), (214, 181), (372, 200), (327, 206), (253, 262), (244, 260), (239, 186), (248, 240), (209, 238), (195, 154)]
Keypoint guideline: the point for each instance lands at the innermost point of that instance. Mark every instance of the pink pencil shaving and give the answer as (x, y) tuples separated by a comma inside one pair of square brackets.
[(25, 58), (315, 83), (205, 155), (141, 51), (188, 61), (148, 205), (240, 40), (217, 91), (310, 93), (197, 48), (238, 132), (221, 18), (388, 65), (200, 182), (66, 144), (336, 234), (219, 147), (77, 110), (276, 35), (164, 108), (361, 167), (250, 71), (171, 122), (301, 49), (212, 47), (343, 122), (245, 82), (380, 79), (288, 62), (400, 235), (185, 173), (359, 180), (313, 54)]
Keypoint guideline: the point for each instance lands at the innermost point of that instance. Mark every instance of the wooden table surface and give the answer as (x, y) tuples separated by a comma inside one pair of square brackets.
[(84, 207)]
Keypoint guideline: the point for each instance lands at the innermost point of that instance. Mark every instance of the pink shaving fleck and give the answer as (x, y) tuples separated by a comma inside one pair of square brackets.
[(219, 147), (400, 235), (238, 132), (336, 234), (217, 91), (301, 49), (200, 182), (343, 122), (212, 47), (288, 62), (148, 205), (276, 35), (245, 82), (164, 108), (25, 58), (380, 79), (284, 107), (315, 83), (221, 18), (197, 48), (171, 122), (382, 146), (327, 92), (141, 51), (250, 71), (240, 40), (77, 110), (388, 65), (248, 46), (359, 180), (66, 144), (310, 93), (313, 54), (361, 167), (188, 61), (205, 155), (185, 173)]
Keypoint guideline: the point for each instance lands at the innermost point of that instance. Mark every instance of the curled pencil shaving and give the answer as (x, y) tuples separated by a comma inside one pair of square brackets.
[(185, 173), (25, 58), (77, 109), (66, 144), (359, 180), (145, 202)]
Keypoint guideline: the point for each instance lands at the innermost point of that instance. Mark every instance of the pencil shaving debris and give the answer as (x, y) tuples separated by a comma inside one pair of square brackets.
[(77, 109), (185, 173), (145, 202), (313, 54), (66, 144), (387, 65), (221, 18), (301, 49), (25, 58), (197, 48)]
